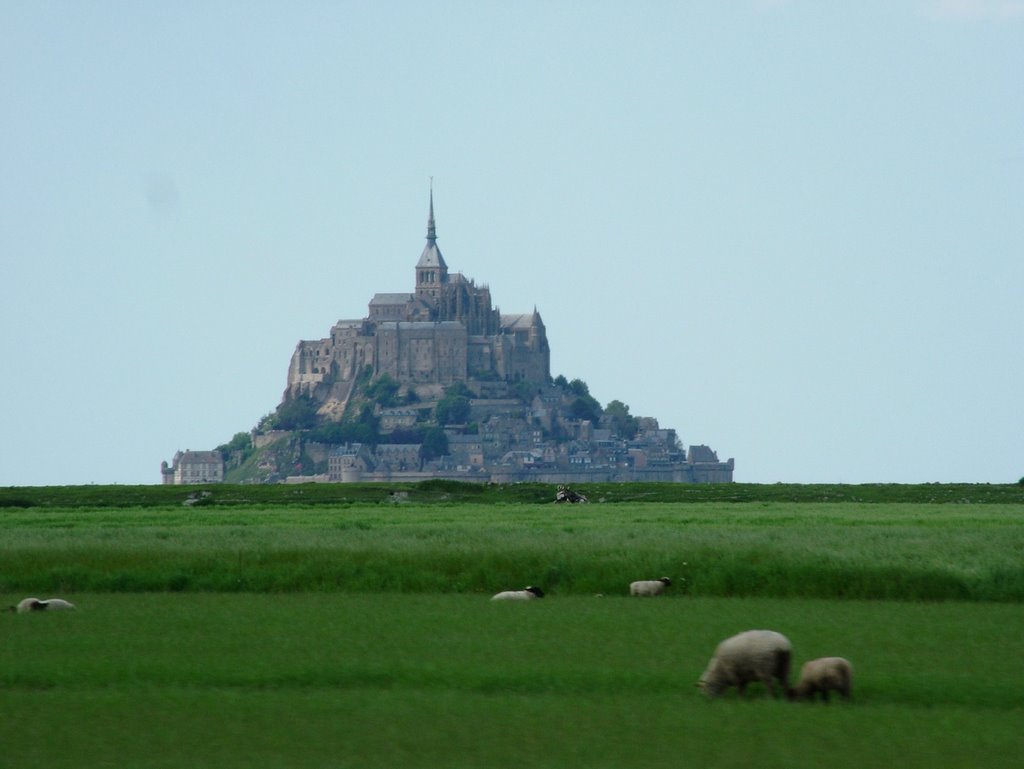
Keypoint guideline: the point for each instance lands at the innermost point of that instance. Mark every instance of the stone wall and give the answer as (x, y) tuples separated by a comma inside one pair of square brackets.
[(259, 440)]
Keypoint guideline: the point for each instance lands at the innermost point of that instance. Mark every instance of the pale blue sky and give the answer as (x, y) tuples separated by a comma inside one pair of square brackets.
[(798, 227)]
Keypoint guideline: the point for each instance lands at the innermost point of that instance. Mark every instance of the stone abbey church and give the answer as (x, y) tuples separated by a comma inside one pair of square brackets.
[(445, 331)]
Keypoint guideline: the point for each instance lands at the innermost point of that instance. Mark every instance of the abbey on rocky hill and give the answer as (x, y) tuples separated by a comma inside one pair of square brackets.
[(445, 331), (437, 383)]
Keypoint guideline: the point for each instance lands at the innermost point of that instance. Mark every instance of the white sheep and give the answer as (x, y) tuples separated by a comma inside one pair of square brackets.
[(822, 676), (754, 655), (34, 604), (649, 587), (527, 594)]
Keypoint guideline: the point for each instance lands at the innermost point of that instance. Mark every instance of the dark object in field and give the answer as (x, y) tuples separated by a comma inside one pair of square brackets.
[(565, 494)]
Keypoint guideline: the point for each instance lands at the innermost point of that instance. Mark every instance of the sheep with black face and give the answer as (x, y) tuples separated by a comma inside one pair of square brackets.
[(649, 587), (34, 604)]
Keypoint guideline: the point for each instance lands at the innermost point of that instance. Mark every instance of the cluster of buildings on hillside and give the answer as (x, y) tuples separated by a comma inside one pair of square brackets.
[(651, 456), (514, 446), (506, 442), (446, 332), (544, 464)]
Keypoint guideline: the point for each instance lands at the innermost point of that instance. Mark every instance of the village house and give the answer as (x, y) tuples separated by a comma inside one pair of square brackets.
[(193, 467)]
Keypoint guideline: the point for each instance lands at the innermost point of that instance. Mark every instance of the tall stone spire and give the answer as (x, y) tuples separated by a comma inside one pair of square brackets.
[(431, 229), (431, 270)]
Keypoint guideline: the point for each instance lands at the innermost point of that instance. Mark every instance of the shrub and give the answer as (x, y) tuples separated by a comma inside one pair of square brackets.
[(299, 413), (435, 443), (452, 410), (384, 391)]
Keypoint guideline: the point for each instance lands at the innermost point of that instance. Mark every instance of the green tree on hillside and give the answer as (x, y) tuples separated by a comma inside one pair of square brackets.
[(435, 443), (524, 391), (579, 387), (240, 442), (384, 391), (459, 388), (405, 435), (585, 408), (363, 428), (452, 409), (299, 413), (622, 422)]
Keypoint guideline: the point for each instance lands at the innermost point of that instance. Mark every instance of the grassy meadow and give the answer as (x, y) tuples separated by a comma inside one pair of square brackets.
[(357, 632), (815, 549)]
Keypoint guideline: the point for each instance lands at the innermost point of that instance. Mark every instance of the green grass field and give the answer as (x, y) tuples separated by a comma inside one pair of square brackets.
[(359, 633), (311, 680), (904, 551)]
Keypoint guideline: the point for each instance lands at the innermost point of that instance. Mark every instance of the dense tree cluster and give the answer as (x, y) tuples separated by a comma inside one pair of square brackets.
[(364, 428), (384, 391), (584, 406), (295, 414), (622, 422), (453, 408)]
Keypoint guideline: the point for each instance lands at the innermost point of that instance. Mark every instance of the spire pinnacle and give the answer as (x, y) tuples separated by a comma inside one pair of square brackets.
[(431, 229), (431, 269)]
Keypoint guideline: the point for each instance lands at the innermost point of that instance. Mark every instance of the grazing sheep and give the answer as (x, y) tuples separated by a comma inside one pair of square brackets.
[(822, 676), (649, 587), (754, 655), (34, 604), (527, 594), (565, 494)]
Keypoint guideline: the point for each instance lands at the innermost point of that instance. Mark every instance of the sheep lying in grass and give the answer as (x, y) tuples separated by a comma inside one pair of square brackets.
[(754, 655), (565, 494), (527, 594), (822, 676), (34, 604), (649, 587)]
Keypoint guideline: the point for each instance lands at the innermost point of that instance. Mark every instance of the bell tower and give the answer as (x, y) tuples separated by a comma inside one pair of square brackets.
[(431, 270)]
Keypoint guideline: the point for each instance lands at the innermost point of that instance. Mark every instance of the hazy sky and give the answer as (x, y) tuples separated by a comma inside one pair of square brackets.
[(793, 231)]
